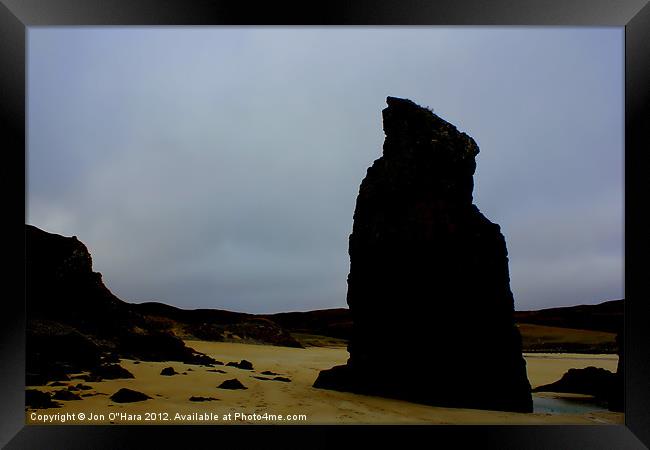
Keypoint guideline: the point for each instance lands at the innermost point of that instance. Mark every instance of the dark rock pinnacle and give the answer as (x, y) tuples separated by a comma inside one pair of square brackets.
[(429, 282)]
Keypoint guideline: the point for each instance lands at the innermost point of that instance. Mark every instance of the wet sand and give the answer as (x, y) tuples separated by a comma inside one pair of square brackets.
[(265, 400)]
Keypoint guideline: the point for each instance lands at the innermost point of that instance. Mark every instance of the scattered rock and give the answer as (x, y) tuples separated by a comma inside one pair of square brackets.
[(243, 364), (111, 372), (202, 399), (36, 399), (232, 384), (268, 372), (283, 379), (83, 387), (136, 362), (216, 370), (65, 394), (168, 371), (125, 395)]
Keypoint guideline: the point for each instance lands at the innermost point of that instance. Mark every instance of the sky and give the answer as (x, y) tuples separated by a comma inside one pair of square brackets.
[(218, 167)]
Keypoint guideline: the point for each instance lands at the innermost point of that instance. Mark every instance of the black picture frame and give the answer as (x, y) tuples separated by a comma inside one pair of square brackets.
[(17, 15)]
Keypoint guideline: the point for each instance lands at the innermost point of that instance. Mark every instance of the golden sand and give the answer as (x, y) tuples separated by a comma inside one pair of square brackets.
[(265, 401)]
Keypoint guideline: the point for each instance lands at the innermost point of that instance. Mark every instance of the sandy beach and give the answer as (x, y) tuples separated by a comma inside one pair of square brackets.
[(264, 401)]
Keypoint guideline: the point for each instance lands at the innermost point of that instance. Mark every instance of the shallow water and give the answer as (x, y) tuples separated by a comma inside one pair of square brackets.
[(569, 405)]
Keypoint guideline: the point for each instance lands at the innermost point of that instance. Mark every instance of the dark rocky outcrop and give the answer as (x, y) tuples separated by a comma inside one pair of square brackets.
[(243, 364), (421, 257), (125, 395), (75, 323), (35, 399), (605, 386), (168, 371), (65, 394), (218, 325), (55, 349), (591, 380), (233, 383)]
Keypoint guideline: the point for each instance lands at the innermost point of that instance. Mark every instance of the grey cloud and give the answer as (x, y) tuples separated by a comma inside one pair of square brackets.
[(219, 167)]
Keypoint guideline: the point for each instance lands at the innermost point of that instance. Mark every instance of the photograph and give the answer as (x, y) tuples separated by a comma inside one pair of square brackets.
[(308, 225)]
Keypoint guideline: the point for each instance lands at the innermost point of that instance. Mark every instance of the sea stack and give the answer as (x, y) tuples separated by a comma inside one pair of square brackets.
[(429, 288)]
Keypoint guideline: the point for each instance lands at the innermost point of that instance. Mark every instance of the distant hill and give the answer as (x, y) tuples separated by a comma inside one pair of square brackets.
[(572, 329), (216, 324), (606, 316), (63, 293)]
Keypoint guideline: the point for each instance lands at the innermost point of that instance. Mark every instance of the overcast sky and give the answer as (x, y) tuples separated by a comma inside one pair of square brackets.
[(219, 167)]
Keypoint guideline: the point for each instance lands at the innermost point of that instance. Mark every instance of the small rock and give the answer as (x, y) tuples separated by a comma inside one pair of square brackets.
[(216, 370), (283, 379), (243, 364), (39, 400), (202, 399), (125, 395), (268, 372), (232, 384), (168, 371), (56, 384)]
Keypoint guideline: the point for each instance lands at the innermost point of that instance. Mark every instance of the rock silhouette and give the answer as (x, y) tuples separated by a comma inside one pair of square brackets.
[(65, 395), (233, 383), (125, 395), (421, 257), (590, 380), (243, 364), (36, 399), (168, 371), (75, 323)]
